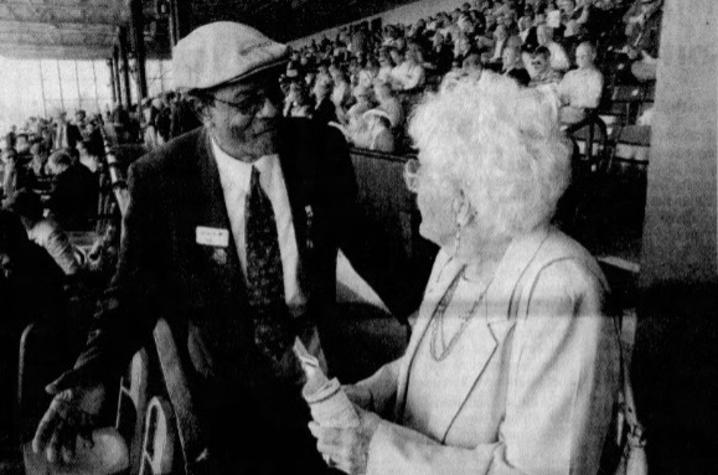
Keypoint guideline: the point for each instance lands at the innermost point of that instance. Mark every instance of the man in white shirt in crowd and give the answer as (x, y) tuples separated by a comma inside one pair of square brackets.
[(581, 88)]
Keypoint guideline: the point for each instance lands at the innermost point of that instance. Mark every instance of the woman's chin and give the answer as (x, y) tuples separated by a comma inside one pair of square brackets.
[(427, 232)]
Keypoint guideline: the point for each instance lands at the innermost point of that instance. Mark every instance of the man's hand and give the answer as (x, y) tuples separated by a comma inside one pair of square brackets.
[(73, 411), (347, 449)]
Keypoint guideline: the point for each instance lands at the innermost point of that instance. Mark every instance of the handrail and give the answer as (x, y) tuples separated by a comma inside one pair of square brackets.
[(119, 186)]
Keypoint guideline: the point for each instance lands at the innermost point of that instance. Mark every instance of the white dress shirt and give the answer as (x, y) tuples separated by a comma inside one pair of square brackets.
[(235, 177)]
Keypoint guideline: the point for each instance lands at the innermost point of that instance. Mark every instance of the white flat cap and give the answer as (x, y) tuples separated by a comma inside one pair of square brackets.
[(223, 52)]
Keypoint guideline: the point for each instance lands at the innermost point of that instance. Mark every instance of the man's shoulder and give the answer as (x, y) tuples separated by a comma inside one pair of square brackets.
[(176, 153)]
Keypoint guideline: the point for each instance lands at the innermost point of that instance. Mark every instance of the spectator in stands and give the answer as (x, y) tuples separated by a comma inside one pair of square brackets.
[(183, 118), (372, 132), (38, 164), (149, 115), (164, 119), (643, 31), (369, 73), (363, 98), (511, 306), (301, 104), (543, 74), (10, 137), (472, 66), (80, 119), (17, 172), (581, 88), (244, 183), (66, 134), (385, 66), (87, 158), (44, 231), (388, 102), (440, 54), (500, 39), (93, 137), (409, 75), (73, 200), (512, 66), (324, 109), (559, 58), (341, 92)]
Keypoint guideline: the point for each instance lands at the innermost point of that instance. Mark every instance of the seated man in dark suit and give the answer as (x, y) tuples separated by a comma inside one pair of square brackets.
[(73, 199), (231, 236), (512, 65)]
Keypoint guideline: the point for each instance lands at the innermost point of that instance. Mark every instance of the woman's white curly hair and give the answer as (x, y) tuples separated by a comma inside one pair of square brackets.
[(500, 145)]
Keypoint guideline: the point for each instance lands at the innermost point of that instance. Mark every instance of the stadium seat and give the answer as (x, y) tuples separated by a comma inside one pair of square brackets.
[(132, 407), (159, 439)]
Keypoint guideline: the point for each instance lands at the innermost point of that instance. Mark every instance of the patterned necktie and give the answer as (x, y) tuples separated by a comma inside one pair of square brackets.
[(265, 282)]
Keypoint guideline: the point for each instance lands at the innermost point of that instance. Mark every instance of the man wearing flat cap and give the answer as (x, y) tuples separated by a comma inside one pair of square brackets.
[(231, 236)]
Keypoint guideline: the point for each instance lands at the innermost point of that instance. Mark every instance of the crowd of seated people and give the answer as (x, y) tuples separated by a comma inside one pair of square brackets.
[(565, 45)]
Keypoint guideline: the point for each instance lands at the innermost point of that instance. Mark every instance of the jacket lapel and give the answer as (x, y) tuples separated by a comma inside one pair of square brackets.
[(222, 264), (482, 337), (443, 273)]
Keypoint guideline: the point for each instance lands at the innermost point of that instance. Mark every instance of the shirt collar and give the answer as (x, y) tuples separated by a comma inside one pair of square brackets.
[(238, 174)]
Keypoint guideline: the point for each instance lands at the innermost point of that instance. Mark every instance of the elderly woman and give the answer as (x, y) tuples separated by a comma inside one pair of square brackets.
[(513, 364)]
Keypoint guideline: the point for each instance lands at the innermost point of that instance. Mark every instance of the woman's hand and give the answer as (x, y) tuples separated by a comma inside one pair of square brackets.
[(360, 396), (347, 449)]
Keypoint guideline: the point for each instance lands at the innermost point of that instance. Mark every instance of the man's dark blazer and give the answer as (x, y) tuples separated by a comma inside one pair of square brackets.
[(199, 290), (73, 199), (72, 135)]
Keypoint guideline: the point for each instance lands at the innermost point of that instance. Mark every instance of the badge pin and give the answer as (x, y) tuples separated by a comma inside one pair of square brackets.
[(219, 255)]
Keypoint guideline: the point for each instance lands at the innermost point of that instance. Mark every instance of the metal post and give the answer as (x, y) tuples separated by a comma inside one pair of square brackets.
[(77, 84), (125, 68), (137, 21), (94, 83), (59, 83), (116, 73), (111, 66), (42, 88)]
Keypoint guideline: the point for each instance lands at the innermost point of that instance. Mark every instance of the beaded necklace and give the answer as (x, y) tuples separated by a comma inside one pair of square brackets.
[(438, 347)]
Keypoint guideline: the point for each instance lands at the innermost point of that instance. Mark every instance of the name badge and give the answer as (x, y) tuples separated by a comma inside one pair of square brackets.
[(215, 237)]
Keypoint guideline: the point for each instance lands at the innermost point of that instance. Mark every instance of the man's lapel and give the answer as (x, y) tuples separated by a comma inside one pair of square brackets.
[(222, 263)]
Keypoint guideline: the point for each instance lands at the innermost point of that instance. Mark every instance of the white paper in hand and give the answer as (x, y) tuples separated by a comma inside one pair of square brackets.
[(329, 405)]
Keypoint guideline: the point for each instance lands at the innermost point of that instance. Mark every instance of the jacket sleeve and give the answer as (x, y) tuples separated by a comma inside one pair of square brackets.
[(563, 378), (128, 309), (382, 386), (61, 250)]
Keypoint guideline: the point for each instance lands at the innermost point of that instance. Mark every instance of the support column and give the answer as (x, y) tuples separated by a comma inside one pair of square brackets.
[(42, 88), (116, 73), (59, 84), (137, 22), (125, 69), (113, 86), (676, 356)]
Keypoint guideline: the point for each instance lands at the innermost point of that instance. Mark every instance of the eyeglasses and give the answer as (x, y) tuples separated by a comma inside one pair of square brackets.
[(412, 167), (249, 104)]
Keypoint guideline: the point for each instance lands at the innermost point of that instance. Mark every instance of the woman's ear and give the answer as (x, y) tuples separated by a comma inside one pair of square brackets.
[(463, 211)]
